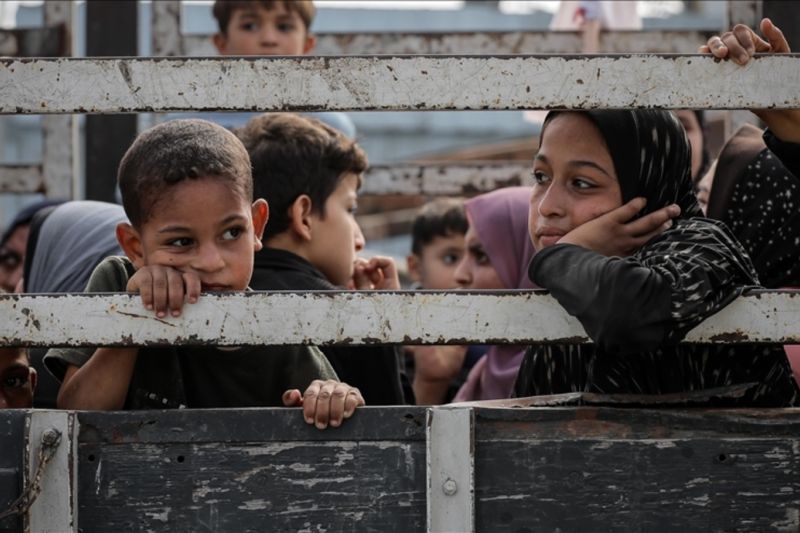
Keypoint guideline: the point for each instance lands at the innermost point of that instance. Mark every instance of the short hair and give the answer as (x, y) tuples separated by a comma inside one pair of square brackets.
[(223, 10), (442, 217), (174, 151), (294, 155)]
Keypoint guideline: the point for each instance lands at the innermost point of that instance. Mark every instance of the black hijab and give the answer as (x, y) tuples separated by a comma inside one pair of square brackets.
[(651, 155)]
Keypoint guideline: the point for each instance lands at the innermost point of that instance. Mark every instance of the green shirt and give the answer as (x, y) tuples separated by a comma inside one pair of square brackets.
[(200, 376)]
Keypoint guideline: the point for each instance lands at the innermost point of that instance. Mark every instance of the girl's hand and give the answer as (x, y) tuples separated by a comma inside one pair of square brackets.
[(616, 235)]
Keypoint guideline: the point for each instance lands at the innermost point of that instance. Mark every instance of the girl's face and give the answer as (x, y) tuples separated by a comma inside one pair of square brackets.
[(475, 271), (574, 179)]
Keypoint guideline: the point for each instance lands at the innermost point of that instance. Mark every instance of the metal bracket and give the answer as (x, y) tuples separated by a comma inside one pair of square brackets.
[(450, 469), (52, 439)]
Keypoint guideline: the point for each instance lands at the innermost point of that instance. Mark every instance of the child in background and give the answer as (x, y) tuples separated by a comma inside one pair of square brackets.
[(187, 190), (437, 246), (268, 28), (17, 379)]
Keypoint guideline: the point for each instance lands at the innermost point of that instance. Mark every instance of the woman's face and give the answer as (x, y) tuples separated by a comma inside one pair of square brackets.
[(475, 271), (574, 179)]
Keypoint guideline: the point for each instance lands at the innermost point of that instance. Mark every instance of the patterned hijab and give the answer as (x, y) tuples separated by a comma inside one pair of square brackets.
[(651, 155), (500, 220)]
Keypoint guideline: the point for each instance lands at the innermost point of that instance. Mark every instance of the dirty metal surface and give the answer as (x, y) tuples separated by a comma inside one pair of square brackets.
[(21, 178), (33, 42), (558, 468), (91, 85), (443, 178), (492, 317)]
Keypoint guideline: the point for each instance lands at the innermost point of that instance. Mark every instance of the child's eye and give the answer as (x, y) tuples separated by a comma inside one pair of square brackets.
[(15, 382), (450, 259), (248, 26), (232, 234), (286, 27), (181, 242), (539, 177), (580, 183), (352, 209)]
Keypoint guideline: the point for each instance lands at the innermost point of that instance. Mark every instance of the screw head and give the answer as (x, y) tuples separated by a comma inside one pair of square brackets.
[(449, 487)]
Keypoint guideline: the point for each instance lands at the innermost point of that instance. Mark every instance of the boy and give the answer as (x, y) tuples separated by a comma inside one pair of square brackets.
[(187, 189), (311, 174), (269, 28), (17, 379), (437, 244)]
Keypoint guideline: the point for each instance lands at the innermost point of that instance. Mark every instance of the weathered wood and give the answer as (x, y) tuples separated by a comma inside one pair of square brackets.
[(12, 445), (268, 470), (352, 318), (395, 83), (585, 468)]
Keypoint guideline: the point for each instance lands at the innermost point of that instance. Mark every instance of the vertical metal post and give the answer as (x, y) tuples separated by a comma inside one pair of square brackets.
[(165, 17), (60, 143), (111, 30), (450, 469), (749, 13), (51, 466)]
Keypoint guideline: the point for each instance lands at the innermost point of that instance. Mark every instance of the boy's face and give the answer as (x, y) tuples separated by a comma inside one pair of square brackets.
[(435, 267), (202, 226), (337, 237), (17, 379), (257, 31)]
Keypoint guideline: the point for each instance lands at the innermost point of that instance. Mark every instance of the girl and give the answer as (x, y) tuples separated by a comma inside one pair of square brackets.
[(607, 184), (497, 257)]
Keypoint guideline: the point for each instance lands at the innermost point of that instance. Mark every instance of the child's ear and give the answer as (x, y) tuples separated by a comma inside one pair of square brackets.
[(413, 263), (309, 44), (220, 43), (300, 213), (33, 377), (131, 243), (260, 217)]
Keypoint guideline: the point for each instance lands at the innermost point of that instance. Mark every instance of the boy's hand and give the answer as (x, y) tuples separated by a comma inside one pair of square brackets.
[(378, 273), (164, 288), (615, 235), (325, 402), (740, 45)]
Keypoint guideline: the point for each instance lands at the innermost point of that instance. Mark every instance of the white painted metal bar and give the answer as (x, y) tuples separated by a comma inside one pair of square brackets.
[(60, 133), (519, 317), (450, 469), (52, 439), (444, 178), (395, 83), (747, 12)]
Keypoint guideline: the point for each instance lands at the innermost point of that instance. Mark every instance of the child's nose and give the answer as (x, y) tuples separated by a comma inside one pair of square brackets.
[(208, 259), (462, 274), (551, 202), (360, 241)]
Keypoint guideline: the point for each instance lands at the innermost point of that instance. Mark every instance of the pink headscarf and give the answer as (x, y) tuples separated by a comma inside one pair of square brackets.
[(500, 220)]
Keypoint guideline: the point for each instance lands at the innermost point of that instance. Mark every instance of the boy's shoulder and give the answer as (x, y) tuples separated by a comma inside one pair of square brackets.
[(111, 275)]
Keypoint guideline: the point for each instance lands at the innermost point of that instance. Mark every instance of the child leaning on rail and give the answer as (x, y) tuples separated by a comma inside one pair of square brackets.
[(187, 190)]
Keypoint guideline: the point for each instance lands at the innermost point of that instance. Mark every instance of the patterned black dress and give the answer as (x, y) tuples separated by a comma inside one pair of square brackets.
[(637, 309)]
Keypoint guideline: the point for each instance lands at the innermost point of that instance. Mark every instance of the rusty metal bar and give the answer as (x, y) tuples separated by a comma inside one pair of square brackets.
[(395, 83), (516, 317)]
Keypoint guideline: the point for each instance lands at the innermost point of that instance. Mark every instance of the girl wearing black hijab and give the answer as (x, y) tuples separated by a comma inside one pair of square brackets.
[(624, 248)]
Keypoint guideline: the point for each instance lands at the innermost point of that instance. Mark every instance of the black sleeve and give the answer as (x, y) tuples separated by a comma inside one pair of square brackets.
[(655, 297), (787, 152), (620, 303)]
